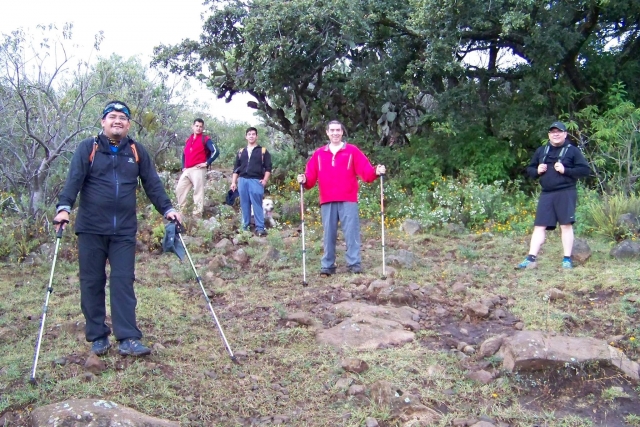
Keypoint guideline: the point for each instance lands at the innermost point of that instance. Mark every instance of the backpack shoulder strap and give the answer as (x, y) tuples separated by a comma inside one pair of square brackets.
[(546, 151), (92, 155), (134, 150)]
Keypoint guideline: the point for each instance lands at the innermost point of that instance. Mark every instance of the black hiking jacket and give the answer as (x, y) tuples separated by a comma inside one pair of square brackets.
[(575, 167), (108, 187)]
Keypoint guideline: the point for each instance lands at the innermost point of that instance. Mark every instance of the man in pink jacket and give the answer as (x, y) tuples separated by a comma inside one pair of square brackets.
[(336, 168)]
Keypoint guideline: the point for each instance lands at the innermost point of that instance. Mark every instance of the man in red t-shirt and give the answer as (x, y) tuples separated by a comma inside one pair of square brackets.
[(199, 153)]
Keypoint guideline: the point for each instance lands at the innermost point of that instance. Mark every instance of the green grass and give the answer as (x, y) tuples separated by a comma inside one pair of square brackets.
[(192, 380)]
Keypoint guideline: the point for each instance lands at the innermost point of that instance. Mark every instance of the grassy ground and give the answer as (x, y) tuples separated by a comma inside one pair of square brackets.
[(285, 376)]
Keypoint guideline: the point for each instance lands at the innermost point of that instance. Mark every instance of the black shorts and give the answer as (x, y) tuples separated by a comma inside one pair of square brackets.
[(556, 207)]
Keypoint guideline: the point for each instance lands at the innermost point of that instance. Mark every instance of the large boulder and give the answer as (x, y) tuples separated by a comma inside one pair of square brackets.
[(93, 413), (626, 249), (411, 226), (530, 350)]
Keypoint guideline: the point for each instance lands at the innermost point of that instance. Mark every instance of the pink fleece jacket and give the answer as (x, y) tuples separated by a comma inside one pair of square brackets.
[(337, 176)]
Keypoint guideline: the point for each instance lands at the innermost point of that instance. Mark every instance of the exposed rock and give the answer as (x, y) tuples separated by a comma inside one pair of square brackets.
[(556, 294), (94, 364), (477, 309), (481, 376), (490, 346), (626, 249), (406, 408), (217, 262), (370, 327), (483, 424), (402, 258), (454, 228), (240, 256), (270, 256), (377, 285), (354, 365), (537, 350), (355, 390), (93, 413), (371, 422), (629, 221), (459, 288), (389, 271), (211, 224), (411, 227), (581, 251), (301, 318), (224, 243), (396, 295), (343, 383)]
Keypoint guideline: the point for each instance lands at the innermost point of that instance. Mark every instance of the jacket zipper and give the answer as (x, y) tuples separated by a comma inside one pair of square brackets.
[(115, 177)]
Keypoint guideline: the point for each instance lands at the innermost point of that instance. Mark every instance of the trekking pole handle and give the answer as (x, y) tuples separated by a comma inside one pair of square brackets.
[(61, 228), (179, 227)]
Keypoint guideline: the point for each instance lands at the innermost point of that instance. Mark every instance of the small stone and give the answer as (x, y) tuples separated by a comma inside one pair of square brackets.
[(371, 422), (519, 326), (356, 389)]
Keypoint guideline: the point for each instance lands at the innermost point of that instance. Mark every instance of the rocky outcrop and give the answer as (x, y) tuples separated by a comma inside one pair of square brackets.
[(93, 413)]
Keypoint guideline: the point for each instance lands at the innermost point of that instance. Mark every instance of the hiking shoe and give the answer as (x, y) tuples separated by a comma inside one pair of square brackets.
[(355, 269), (527, 263), (261, 233), (567, 263), (327, 271), (100, 346), (133, 347)]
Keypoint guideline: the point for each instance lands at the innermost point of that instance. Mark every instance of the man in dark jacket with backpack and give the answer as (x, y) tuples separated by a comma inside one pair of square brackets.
[(558, 165), (250, 176), (199, 153), (105, 171)]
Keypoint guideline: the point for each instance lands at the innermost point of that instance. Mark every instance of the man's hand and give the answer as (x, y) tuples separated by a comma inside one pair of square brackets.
[(233, 186), (559, 167), (380, 170), (542, 168), (60, 220), (302, 178), (202, 165), (174, 216)]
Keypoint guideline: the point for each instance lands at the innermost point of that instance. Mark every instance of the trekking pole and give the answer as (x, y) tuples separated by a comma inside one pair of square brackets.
[(304, 250), (45, 307), (384, 270), (204, 292)]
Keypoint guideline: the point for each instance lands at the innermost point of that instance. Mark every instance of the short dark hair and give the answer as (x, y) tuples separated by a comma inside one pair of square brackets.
[(199, 120), (249, 129), (337, 122)]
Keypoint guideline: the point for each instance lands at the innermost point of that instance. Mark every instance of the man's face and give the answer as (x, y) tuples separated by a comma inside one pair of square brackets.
[(115, 125), (251, 137), (197, 128), (557, 137), (335, 133)]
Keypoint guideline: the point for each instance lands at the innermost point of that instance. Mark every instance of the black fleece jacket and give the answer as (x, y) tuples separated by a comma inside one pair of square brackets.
[(575, 167), (108, 187), (253, 167)]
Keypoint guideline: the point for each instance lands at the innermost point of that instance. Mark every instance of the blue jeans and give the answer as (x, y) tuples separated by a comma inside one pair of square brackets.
[(251, 193), (347, 214)]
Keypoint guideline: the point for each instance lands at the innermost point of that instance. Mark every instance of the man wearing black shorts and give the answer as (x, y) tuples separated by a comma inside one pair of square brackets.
[(558, 165)]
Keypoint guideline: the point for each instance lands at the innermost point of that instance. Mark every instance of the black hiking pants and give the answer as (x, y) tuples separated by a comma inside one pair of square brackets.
[(93, 252)]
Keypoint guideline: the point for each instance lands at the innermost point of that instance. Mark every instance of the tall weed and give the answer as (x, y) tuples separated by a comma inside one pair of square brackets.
[(604, 215)]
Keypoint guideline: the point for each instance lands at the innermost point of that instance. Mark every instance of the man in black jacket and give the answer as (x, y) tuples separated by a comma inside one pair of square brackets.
[(253, 168), (558, 165), (105, 171)]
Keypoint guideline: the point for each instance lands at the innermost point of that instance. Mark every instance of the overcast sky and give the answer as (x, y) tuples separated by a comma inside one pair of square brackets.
[(131, 28)]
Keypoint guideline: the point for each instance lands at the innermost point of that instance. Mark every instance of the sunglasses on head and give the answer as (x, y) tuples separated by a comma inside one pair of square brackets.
[(116, 106)]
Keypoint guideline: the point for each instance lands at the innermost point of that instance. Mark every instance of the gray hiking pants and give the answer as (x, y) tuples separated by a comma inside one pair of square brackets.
[(347, 214)]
